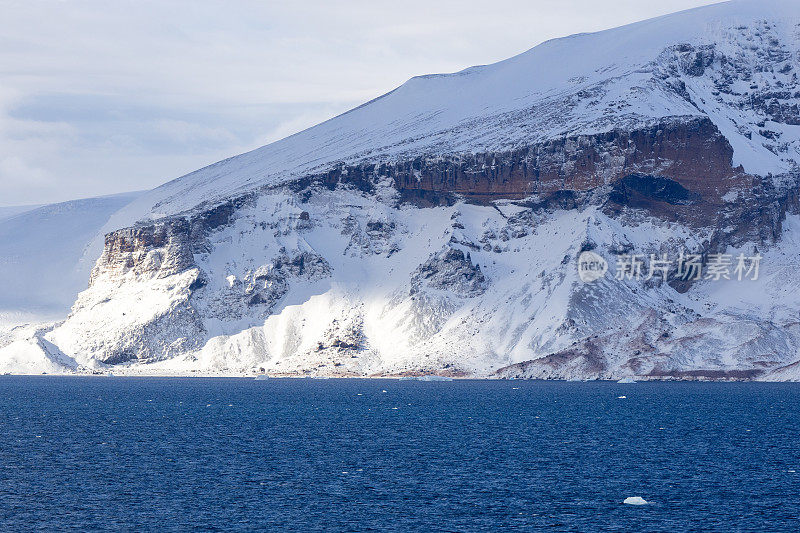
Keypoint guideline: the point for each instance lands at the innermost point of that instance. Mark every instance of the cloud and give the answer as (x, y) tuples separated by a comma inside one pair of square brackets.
[(100, 97), (15, 171)]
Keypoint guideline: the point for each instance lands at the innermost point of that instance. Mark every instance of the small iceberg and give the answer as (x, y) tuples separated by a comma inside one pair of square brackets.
[(635, 500), (627, 380), (261, 377), (621, 397)]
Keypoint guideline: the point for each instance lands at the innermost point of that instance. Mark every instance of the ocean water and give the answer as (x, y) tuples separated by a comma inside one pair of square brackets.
[(177, 454)]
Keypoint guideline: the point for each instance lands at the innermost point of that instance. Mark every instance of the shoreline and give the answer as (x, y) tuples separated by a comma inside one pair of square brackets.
[(387, 377)]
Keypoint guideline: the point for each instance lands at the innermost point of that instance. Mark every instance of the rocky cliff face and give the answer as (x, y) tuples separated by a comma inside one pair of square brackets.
[(244, 284), (155, 251), (689, 151)]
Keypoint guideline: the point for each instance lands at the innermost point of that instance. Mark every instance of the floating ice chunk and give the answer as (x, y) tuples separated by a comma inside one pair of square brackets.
[(621, 397), (384, 390), (635, 500), (627, 380)]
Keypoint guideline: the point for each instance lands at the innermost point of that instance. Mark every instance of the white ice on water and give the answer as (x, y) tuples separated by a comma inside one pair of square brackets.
[(635, 500)]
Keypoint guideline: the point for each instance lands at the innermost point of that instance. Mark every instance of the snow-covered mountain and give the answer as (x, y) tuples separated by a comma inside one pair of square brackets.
[(437, 229), (46, 254), (45, 258)]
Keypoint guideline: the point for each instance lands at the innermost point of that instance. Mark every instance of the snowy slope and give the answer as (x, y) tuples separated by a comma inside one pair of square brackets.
[(8, 212), (437, 228), (43, 264), (578, 84), (384, 299)]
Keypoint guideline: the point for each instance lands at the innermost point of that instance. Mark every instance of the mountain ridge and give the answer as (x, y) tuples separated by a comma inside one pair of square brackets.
[(272, 159), (438, 228)]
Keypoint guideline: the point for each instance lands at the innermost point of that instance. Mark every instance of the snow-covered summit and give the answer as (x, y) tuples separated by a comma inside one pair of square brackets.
[(574, 85)]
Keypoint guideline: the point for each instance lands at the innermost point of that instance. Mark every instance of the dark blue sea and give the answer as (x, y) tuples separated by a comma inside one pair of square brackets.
[(172, 454)]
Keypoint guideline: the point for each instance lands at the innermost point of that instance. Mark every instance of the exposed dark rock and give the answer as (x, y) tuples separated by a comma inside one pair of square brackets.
[(269, 284), (689, 151), (157, 250), (638, 190), (375, 238), (450, 270), (587, 360), (710, 374)]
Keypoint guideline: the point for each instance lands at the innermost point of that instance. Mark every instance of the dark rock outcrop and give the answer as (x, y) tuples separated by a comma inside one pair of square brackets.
[(450, 270), (156, 250), (689, 151)]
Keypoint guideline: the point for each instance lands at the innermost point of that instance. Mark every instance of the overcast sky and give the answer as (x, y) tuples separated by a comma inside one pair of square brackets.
[(106, 96)]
